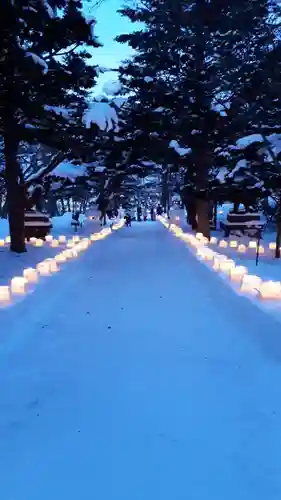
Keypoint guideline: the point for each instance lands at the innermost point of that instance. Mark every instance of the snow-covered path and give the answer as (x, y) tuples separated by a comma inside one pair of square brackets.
[(136, 374)]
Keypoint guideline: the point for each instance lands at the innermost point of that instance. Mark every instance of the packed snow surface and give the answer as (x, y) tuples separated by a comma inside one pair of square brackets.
[(136, 373)]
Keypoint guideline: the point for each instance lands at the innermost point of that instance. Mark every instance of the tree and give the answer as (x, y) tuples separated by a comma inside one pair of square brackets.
[(44, 78), (190, 57)]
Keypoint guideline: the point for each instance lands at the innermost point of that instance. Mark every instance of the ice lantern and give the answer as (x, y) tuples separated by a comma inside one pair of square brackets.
[(18, 285)]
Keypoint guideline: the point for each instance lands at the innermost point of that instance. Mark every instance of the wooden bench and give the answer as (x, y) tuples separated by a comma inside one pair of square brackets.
[(36, 224)]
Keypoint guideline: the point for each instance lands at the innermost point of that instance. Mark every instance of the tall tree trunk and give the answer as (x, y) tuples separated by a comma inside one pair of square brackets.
[(202, 201), (15, 190), (278, 230)]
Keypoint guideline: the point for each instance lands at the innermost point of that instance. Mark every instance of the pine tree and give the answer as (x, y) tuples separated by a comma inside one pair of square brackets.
[(43, 64), (189, 54)]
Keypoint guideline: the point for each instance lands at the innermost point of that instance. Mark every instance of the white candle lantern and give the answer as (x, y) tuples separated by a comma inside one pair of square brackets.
[(54, 243), (217, 261), (53, 266), (75, 239), (213, 240), (270, 290), (43, 268), (242, 248), (237, 273), (49, 238), (60, 258), (5, 295), (39, 243), (62, 239), (253, 244), (261, 250), (70, 244), (226, 265), (199, 236), (223, 244), (18, 285), (233, 244), (31, 275), (272, 246), (250, 283), (2, 243), (33, 240)]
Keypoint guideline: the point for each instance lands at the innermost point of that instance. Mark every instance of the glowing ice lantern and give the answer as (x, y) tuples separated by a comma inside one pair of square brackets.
[(217, 261), (60, 258), (62, 239), (261, 250), (70, 244), (237, 273), (8, 239), (49, 238), (270, 290), (31, 275), (43, 268), (272, 246), (253, 244), (250, 283), (199, 236), (233, 244), (33, 240), (53, 266), (223, 244), (18, 285), (226, 265), (54, 243), (39, 243), (213, 240), (5, 295), (242, 248), (76, 239), (2, 243)]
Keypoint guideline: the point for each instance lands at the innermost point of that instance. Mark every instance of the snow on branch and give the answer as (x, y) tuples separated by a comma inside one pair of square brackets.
[(38, 60), (48, 8), (181, 151)]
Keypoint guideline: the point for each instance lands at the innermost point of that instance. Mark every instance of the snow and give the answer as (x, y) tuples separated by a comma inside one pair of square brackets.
[(59, 110), (241, 164), (223, 173), (248, 140), (180, 150), (49, 9), (38, 60), (13, 265), (101, 114), (148, 79), (69, 170), (174, 394)]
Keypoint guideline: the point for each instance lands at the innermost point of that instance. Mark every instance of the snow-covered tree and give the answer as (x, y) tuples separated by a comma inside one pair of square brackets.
[(44, 78)]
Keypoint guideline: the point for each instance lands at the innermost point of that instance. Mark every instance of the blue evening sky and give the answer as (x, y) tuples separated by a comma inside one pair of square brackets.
[(109, 25)]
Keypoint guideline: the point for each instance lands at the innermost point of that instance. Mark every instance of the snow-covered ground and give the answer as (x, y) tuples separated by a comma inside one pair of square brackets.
[(268, 267), (136, 373), (13, 264)]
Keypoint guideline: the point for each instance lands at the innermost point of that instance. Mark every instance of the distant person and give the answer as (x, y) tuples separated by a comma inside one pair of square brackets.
[(139, 214), (128, 220), (159, 210), (152, 214)]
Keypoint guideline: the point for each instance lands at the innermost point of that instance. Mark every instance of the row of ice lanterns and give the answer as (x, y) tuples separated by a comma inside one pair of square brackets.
[(233, 244), (238, 274), (19, 284)]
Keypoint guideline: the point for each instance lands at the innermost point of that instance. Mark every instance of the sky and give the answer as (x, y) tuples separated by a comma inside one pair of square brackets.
[(109, 25)]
